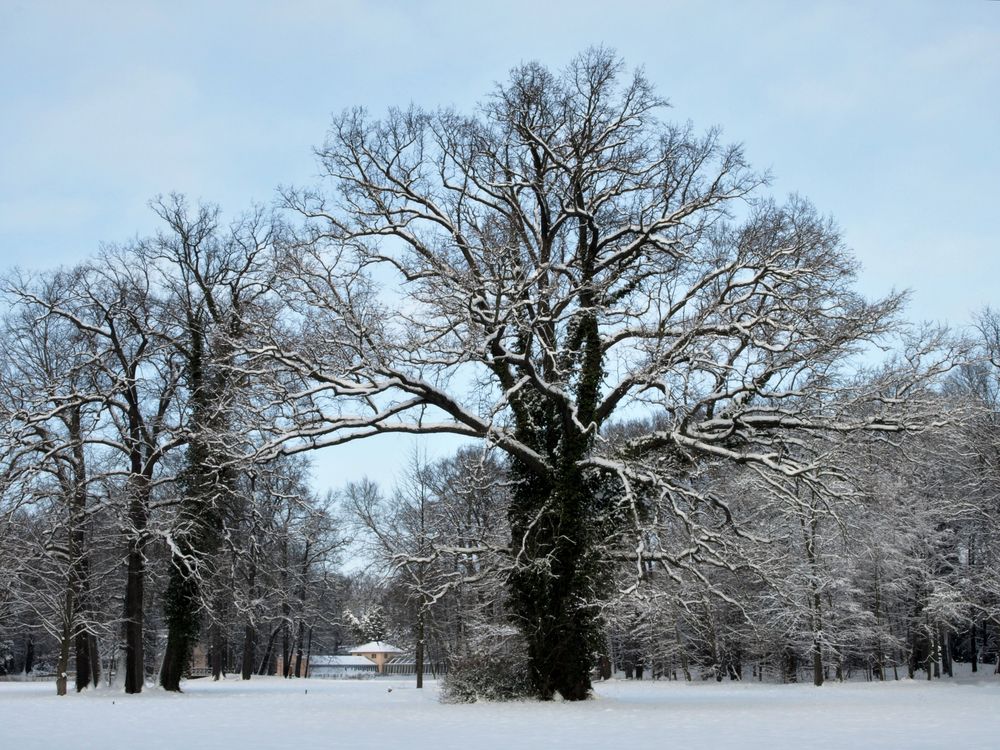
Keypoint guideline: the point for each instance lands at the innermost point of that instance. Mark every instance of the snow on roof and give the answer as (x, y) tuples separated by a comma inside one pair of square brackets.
[(376, 647), (339, 661)]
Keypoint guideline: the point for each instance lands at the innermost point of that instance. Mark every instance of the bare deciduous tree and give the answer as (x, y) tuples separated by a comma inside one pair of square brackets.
[(566, 259)]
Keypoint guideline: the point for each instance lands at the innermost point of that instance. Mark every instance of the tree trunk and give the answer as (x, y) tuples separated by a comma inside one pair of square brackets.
[(207, 483), (135, 585), (62, 664), (88, 660), (817, 659), (249, 651), (944, 639), (815, 600), (299, 639), (85, 642), (552, 603), (685, 666), (558, 579), (218, 651), (791, 665), (265, 662), (29, 653), (420, 648), (135, 664), (309, 649), (879, 667), (974, 647), (183, 626)]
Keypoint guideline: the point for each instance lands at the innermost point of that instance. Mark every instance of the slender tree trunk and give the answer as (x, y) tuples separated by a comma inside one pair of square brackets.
[(62, 664), (218, 649), (29, 653), (299, 639), (309, 648), (974, 647), (303, 579), (815, 600), (685, 666), (879, 653), (249, 651), (286, 652), (250, 629), (266, 661), (944, 639), (420, 648), (286, 613)]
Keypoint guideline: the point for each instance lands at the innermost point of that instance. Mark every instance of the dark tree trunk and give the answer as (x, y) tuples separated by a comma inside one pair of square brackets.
[(85, 642), (135, 585), (88, 662), (605, 666), (303, 580), (249, 651), (555, 511), (29, 653), (791, 666), (218, 650), (249, 629), (309, 648), (944, 639), (207, 484), (183, 625), (879, 667), (286, 650), (974, 647), (817, 658), (299, 639), (135, 663), (685, 666), (265, 663), (66, 636), (286, 612), (553, 602), (420, 649)]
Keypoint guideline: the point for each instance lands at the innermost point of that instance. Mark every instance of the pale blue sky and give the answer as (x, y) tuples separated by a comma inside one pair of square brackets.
[(885, 114)]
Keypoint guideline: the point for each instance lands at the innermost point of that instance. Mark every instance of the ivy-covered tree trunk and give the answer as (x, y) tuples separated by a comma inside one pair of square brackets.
[(558, 582), (194, 544), (205, 485), (183, 624), (554, 586)]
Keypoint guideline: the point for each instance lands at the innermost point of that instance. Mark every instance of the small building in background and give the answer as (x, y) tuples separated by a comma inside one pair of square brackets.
[(377, 652), (331, 667)]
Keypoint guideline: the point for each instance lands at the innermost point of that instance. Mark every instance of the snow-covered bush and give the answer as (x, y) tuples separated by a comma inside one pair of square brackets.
[(487, 677)]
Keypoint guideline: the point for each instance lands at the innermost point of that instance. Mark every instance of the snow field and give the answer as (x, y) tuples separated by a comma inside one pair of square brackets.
[(272, 713)]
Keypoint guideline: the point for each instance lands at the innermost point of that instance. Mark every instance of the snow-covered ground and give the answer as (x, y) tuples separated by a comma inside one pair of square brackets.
[(274, 713)]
